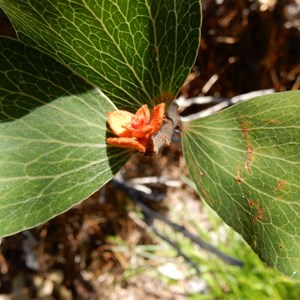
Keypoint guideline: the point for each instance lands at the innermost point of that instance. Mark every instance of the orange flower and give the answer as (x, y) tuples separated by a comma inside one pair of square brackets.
[(135, 130)]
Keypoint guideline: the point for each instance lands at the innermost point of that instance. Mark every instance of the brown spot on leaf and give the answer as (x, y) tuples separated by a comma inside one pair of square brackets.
[(248, 163), (245, 130), (239, 178), (259, 215), (201, 173), (281, 246), (257, 209), (280, 185), (204, 194), (252, 203), (249, 147)]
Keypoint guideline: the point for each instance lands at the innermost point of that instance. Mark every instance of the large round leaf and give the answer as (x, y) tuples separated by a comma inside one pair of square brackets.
[(245, 162), (53, 152), (135, 51)]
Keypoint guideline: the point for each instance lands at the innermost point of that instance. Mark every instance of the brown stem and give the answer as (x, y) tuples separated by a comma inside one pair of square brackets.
[(163, 137)]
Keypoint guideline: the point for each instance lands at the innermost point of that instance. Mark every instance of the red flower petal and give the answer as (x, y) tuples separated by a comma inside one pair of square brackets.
[(157, 117), (135, 130), (125, 142), (118, 120), (141, 117)]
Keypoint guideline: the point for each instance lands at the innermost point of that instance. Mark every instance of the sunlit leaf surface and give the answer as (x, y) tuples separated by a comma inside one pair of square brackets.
[(245, 162), (53, 152), (135, 51)]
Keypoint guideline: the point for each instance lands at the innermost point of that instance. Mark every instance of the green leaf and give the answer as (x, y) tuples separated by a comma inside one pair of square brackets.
[(135, 51), (53, 151), (245, 162)]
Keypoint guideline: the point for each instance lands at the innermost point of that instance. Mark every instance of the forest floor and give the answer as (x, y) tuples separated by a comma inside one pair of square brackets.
[(108, 247)]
